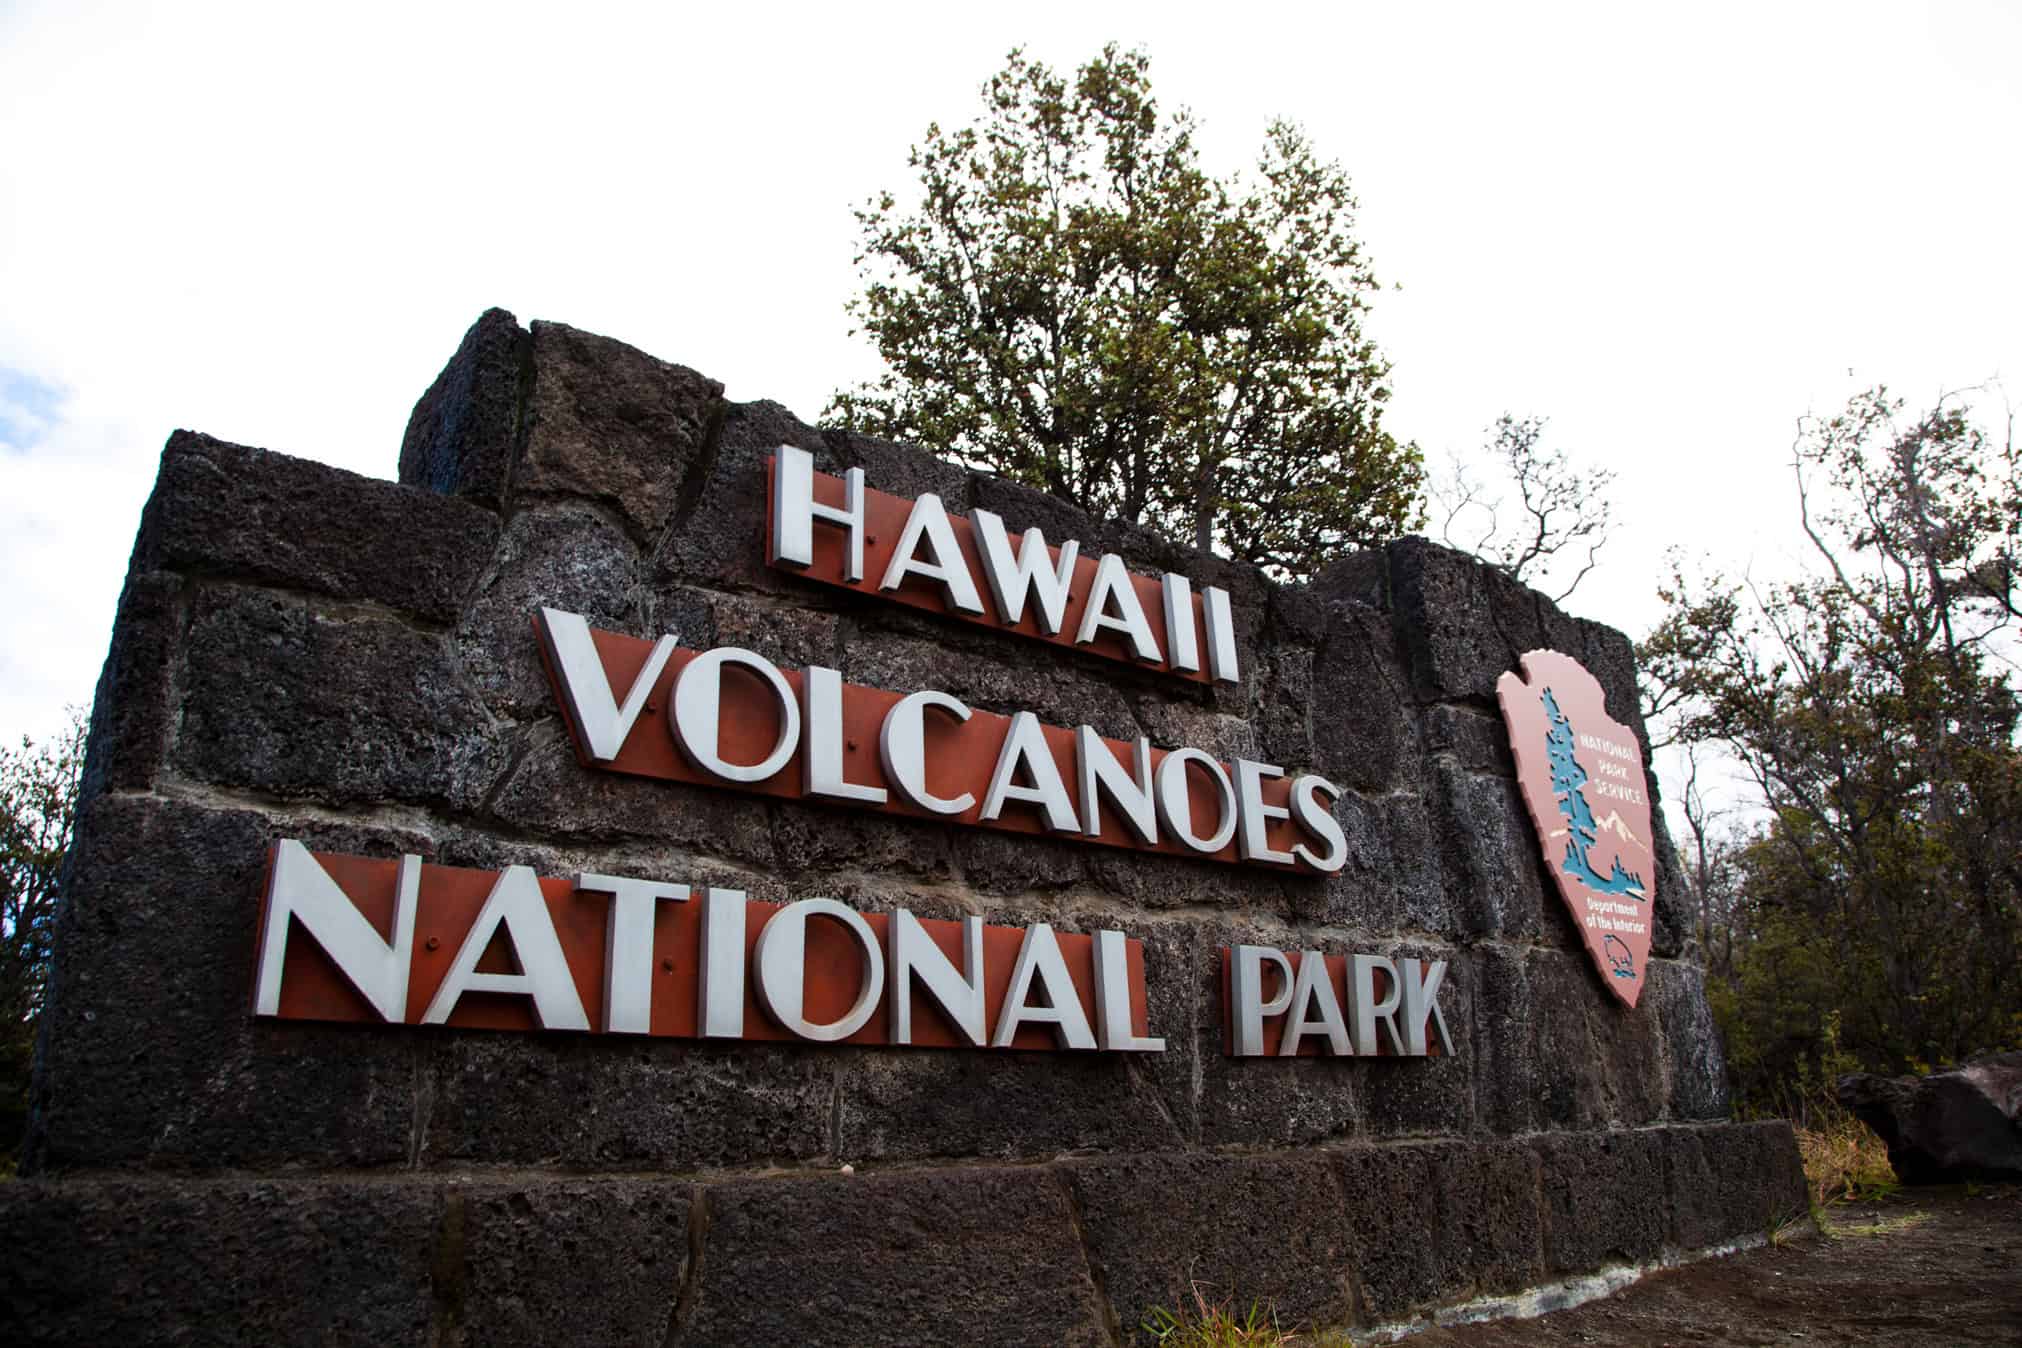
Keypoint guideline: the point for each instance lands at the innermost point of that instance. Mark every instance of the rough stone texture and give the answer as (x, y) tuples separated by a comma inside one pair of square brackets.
[(1439, 1222), (1964, 1124), (131, 710), (1603, 1199), (1732, 1181), (226, 510), (149, 1054), (945, 1256), (464, 432), (608, 422), (570, 1261), (1391, 1197), (663, 1105), (567, 557), (1551, 1053), (346, 708), (1695, 1076), (304, 653), (1269, 1228), (237, 1261)]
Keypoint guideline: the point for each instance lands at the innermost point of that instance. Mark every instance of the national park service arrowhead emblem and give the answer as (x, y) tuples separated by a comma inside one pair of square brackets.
[(1582, 780)]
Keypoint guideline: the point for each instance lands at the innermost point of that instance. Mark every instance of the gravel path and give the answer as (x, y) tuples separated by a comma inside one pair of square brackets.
[(1925, 1267)]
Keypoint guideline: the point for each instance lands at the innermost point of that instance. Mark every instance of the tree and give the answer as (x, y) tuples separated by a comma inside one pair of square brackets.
[(38, 804), (1870, 706), (1560, 508), (1076, 304)]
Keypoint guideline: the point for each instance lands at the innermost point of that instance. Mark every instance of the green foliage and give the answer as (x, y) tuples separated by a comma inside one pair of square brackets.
[(1876, 915), (1217, 1324), (38, 802), (1075, 304)]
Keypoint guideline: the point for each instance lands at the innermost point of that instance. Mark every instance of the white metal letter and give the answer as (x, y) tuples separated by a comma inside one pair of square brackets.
[(914, 954), (516, 904), (1033, 572), (1175, 800), (929, 522), (1039, 957), (1364, 1011), (781, 953), (822, 727), (1313, 991), (586, 691), (1112, 998), (698, 700), (902, 746), (1025, 744), (1100, 774), (1221, 634), (1254, 841), (719, 992), (1421, 1004), (1112, 589), (628, 947), (1318, 820), (795, 511), (1246, 990), (1182, 647), (301, 889)]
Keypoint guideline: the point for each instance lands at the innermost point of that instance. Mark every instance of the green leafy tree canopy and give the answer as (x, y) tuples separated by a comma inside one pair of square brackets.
[(1074, 303), (38, 804), (1871, 705)]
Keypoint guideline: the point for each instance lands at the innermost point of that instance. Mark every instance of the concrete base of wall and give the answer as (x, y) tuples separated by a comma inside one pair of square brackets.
[(1071, 1251)]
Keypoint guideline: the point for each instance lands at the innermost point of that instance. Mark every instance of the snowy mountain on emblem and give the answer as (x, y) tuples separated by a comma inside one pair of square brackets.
[(1614, 824)]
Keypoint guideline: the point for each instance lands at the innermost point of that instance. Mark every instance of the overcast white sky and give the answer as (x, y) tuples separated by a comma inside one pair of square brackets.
[(1670, 231)]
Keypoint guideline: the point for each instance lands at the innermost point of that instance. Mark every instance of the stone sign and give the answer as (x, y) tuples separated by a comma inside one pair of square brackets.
[(425, 972)]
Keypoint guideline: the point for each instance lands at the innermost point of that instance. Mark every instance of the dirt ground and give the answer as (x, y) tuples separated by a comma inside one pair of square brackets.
[(1925, 1267)]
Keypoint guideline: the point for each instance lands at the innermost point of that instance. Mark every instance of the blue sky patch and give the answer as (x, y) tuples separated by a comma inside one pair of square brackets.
[(27, 409)]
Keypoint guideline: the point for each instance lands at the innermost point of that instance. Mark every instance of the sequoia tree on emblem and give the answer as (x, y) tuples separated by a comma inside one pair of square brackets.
[(1583, 784)]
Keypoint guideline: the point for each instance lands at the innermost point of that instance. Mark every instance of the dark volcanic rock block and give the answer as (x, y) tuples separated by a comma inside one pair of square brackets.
[(608, 422), (1695, 1077), (1731, 1181), (997, 1106), (1557, 1051), (1405, 1097), (1491, 856), (1363, 730), (569, 1261), (150, 1050), (938, 1256), (282, 697), (1948, 1127), (717, 541), (662, 1104), (565, 556), (1438, 1222), (1391, 1203), (1264, 1228), (548, 792), (130, 713), (464, 432), (1603, 1199), (1491, 1220), (226, 510), (1393, 878), (234, 1261), (1461, 624)]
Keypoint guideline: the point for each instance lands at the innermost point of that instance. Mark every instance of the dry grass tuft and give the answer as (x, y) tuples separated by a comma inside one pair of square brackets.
[(1843, 1159), (1217, 1324)]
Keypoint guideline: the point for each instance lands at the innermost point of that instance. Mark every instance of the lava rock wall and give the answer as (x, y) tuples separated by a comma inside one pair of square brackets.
[(302, 652)]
